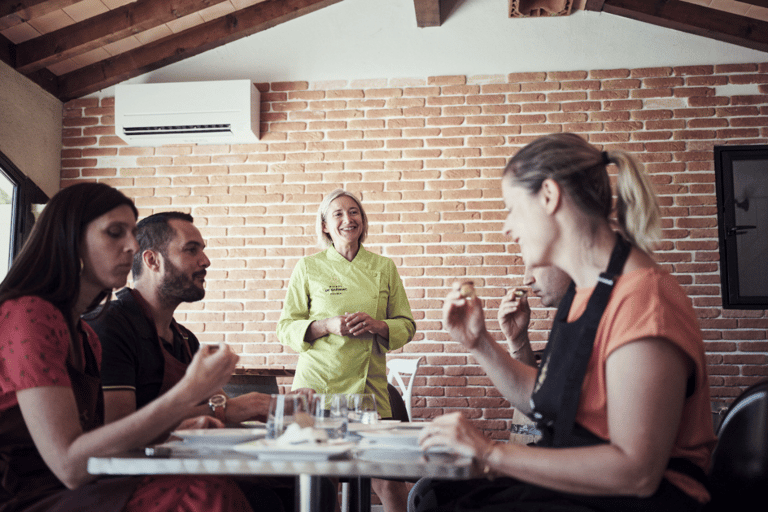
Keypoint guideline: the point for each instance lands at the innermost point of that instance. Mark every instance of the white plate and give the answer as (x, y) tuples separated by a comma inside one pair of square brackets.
[(400, 439), (379, 425), (254, 424), (219, 436), (269, 450), (411, 426)]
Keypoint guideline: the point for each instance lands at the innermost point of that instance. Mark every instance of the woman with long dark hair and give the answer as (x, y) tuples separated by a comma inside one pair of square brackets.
[(51, 405)]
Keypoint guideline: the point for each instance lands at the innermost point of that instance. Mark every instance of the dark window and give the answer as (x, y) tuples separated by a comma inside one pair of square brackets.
[(19, 197), (741, 177)]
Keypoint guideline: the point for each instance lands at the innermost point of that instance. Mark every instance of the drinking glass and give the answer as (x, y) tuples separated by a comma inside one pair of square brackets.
[(362, 408), (330, 414), (284, 410)]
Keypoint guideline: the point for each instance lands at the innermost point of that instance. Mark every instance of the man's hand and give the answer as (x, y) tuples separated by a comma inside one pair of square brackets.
[(199, 422), (514, 315)]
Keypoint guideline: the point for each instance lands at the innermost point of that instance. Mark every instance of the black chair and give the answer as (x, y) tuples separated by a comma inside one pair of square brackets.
[(396, 402), (738, 475)]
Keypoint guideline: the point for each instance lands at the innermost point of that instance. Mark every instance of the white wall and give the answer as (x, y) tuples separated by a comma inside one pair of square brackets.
[(30, 129), (368, 39)]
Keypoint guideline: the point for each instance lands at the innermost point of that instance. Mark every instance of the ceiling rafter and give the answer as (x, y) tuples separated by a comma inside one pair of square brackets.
[(691, 18), (427, 13), (101, 30), (183, 45)]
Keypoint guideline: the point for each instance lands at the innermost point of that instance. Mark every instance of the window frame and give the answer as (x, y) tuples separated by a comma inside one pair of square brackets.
[(725, 157), (26, 193)]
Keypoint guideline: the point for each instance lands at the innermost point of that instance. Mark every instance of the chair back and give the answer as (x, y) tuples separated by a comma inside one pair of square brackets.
[(404, 367), (739, 470), (399, 411)]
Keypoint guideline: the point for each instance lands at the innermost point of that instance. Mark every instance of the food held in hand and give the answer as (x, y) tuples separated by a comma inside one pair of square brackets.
[(467, 290)]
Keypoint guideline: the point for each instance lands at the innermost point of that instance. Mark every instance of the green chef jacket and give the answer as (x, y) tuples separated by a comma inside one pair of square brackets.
[(326, 285)]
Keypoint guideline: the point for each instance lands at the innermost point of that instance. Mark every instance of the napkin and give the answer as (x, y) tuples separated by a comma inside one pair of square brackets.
[(295, 434)]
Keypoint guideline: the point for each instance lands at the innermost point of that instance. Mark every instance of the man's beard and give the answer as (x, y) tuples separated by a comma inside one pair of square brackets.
[(177, 287)]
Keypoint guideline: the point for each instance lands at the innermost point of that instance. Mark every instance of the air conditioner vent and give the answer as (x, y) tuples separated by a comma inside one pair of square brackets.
[(199, 128), (219, 112)]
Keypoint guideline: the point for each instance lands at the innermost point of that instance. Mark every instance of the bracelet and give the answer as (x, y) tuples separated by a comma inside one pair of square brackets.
[(483, 460)]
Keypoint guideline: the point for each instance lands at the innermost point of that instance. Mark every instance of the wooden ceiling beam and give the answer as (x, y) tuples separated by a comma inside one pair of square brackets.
[(183, 45), (427, 13), (14, 12), (46, 80), (101, 30), (7, 51), (691, 18)]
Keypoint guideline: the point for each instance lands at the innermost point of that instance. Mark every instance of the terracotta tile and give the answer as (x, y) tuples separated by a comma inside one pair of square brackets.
[(153, 34), (63, 67), (52, 21), (90, 57), (114, 4), (240, 4), (216, 11), (759, 13), (182, 24), (86, 9), (20, 33), (123, 45), (730, 6)]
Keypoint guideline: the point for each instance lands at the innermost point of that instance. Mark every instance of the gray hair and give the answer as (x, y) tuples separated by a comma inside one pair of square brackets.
[(324, 239)]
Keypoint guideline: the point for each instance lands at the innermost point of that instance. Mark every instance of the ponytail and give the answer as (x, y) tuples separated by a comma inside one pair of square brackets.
[(637, 209)]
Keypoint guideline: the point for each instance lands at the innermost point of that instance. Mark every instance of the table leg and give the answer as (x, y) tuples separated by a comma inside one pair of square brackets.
[(360, 494), (309, 493)]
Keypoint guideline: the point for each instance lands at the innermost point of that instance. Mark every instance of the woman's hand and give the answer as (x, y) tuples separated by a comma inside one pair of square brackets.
[(514, 315), (463, 315), (200, 422), (360, 324), (209, 371), (456, 431), (335, 325)]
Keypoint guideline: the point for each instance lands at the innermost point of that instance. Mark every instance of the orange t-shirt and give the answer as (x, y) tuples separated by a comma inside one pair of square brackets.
[(650, 303)]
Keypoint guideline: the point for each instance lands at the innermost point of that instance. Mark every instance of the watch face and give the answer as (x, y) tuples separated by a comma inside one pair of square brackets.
[(217, 401)]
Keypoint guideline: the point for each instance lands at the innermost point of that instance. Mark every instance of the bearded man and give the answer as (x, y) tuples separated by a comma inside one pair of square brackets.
[(145, 351)]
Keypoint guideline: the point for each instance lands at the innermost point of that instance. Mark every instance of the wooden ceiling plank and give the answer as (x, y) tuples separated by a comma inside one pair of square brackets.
[(13, 12), (695, 19), (101, 30), (193, 41), (427, 13)]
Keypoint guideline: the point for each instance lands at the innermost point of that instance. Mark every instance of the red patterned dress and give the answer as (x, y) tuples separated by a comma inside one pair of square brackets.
[(34, 352)]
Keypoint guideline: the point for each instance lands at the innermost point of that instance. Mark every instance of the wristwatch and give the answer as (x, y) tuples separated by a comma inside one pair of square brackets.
[(218, 405)]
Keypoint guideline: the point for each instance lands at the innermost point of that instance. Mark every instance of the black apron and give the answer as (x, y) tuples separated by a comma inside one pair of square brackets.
[(26, 482), (555, 398), (554, 401)]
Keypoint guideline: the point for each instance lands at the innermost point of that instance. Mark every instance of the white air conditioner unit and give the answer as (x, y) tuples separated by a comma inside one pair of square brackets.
[(221, 112)]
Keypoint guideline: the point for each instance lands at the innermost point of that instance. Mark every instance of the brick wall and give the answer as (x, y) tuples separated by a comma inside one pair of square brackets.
[(425, 155)]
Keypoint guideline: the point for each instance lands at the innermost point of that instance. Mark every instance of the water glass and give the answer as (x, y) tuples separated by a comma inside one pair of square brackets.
[(330, 414), (362, 408), (284, 410)]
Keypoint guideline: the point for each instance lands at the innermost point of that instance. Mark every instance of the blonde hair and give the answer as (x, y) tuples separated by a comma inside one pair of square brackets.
[(580, 170), (324, 239)]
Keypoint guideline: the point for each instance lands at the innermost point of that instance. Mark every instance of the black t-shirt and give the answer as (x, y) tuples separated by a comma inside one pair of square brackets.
[(131, 356)]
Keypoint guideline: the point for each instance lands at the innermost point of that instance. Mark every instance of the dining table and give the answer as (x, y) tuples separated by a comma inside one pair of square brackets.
[(389, 452)]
